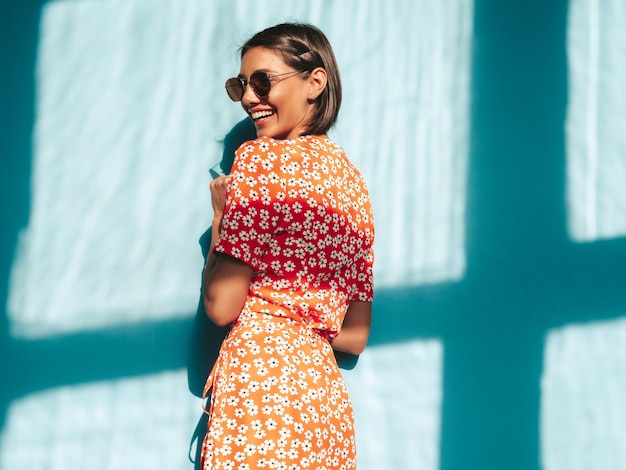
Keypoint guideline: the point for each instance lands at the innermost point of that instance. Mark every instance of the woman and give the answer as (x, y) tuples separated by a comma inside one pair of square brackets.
[(290, 266)]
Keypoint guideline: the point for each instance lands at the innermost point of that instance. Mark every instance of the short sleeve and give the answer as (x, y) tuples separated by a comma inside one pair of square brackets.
[(364, 286), (253, 206)]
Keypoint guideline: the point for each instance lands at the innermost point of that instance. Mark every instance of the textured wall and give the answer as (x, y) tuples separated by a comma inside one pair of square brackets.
[(491, 135)]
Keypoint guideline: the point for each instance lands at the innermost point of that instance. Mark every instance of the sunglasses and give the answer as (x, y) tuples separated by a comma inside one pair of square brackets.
[(260, 82)]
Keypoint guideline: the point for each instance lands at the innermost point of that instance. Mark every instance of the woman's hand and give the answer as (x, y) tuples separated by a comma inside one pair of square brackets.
[(218, 195), (218, 200)]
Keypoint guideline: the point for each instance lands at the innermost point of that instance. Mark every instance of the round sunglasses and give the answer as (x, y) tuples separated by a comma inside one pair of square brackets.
[(260, 82)]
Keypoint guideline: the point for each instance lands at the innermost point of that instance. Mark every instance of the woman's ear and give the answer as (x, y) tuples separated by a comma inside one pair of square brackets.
[(317, 83)]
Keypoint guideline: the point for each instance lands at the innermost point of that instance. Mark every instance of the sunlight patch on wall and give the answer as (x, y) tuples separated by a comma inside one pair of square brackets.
[(398, 414), (130, 424), (130, 108), (596, 123), (119, 186), (583, 411), (405, 123)]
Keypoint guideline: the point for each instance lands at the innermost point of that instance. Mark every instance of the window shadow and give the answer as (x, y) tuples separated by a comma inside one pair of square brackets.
[(19, 23), (524, 275)]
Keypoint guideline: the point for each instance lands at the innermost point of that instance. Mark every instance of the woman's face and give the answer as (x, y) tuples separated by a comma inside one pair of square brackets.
[(285, 112)]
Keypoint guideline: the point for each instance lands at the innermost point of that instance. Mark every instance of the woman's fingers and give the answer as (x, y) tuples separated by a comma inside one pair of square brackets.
[(218, 193)]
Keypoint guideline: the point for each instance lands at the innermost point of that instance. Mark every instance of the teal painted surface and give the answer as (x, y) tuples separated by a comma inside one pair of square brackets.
[(471, 369)]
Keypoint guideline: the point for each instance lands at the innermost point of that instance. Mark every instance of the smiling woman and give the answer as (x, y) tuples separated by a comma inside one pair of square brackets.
[(290, 266)]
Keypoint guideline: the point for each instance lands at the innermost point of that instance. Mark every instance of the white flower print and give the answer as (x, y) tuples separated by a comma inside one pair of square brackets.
[(298, 213)]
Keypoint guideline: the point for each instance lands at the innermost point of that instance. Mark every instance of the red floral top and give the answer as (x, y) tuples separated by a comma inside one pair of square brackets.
[(298, 212)]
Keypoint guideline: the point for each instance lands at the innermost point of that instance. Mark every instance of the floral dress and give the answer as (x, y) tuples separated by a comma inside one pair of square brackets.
[(299, 214)]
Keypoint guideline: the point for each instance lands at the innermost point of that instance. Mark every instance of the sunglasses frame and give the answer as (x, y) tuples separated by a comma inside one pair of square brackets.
[(236, 86)]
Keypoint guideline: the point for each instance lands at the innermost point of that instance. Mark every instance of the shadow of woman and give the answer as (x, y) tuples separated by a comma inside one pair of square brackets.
[(206, 337)]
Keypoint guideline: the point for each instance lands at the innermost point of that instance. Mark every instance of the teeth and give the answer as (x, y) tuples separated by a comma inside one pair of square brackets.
[(260, 114)]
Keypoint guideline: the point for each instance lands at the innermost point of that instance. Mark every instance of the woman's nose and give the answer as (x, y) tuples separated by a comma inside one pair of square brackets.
[(249, 97)]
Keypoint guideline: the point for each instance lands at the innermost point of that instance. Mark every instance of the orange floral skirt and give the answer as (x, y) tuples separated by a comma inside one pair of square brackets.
[(278, 400)]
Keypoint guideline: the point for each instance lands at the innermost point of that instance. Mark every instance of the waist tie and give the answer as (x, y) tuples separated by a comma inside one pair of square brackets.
[(242, 320)]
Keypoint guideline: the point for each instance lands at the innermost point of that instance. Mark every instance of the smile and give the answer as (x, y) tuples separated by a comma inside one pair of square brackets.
[(260, 115)]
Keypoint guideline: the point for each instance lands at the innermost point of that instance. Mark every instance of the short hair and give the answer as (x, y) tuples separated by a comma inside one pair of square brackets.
[(305, 47)]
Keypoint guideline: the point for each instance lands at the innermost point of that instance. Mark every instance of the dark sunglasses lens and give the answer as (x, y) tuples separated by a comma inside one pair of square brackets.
[(260, 83), (234, 88)]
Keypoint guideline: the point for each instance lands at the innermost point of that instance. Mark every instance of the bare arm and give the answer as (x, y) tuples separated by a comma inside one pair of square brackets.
[(355, 330), (226, 279), (225, 289)]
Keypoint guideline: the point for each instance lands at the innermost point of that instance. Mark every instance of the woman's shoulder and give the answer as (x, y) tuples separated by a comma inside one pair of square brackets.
[(261, 144), (291, 148)]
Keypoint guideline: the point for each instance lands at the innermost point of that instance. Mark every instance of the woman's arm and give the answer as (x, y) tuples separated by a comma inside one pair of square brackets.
[(225, 289), (226, 279), (355, 330)]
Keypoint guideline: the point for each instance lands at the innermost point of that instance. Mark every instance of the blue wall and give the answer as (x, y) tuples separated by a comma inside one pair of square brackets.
[(498, 333)]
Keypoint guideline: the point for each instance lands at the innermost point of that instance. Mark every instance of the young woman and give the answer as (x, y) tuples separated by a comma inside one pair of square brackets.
[(290, 266)]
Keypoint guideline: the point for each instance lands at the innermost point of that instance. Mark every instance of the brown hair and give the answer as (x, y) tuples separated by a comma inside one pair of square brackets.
[(305, 47)]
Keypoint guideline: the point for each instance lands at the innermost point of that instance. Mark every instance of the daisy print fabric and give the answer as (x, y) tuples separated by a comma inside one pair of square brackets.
[(298, 212)]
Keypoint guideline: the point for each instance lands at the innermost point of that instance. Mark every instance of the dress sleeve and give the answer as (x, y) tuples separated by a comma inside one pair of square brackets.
[(253, 206), (364, 288)]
